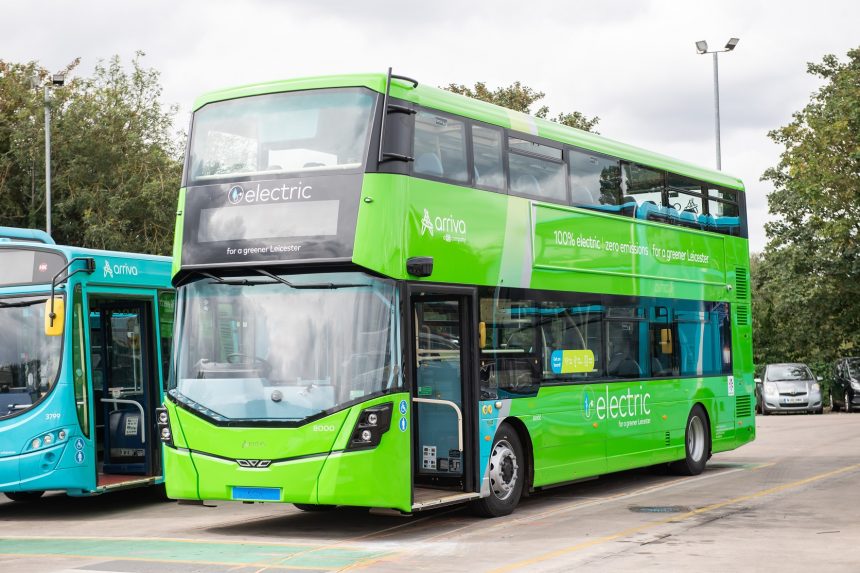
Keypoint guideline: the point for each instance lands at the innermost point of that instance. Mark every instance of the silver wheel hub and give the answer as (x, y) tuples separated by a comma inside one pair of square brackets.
[(696, 439), (503, 470)]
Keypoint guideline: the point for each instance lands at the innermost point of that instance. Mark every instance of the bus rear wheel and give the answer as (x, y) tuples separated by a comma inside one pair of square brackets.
[(697, 444), (24, 496), (507, 475)]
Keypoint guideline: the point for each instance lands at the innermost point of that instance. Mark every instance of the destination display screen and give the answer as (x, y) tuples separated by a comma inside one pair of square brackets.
[(311, 218), (28, 266)]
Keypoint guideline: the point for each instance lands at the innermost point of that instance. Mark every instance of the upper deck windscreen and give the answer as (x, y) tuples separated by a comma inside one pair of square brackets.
[(282, 133), (276, 176)]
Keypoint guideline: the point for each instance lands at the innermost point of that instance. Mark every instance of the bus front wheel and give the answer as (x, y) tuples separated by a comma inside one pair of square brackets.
[(24, 496), (697, 444), (507, 475)]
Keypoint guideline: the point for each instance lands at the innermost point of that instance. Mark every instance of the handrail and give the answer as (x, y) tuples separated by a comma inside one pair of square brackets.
[(456, 409), (139, 407)]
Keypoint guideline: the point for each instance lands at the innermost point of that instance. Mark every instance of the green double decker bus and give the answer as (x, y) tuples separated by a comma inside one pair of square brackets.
[(393, 296)]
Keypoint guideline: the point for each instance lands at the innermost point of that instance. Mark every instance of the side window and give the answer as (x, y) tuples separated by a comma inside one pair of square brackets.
[(623, 351), (166, 304), (723, 210), (595, 181), (536, 170), (571, 341), (704, 342), (440, 147), (510, 364), (487, 146), (643, 185), (686, 203), (664, 358), (79, 361)]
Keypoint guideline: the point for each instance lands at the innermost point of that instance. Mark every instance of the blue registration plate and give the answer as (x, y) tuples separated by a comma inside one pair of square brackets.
[(256, 493)]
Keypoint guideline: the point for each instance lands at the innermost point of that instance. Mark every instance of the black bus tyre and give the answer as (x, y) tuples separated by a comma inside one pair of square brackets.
[(24, 496), (313, 508), (697, 444), (507, 475)]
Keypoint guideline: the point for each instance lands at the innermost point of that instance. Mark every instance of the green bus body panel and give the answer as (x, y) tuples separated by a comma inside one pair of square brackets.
[(483, 238), (320, 471), (435, 98), (177, 232)]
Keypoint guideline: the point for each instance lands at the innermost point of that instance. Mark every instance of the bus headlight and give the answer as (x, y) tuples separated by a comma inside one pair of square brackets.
[(371, 424), (164, 432)]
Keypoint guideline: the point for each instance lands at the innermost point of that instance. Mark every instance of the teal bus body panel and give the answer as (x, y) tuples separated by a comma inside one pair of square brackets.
[(71, 465)]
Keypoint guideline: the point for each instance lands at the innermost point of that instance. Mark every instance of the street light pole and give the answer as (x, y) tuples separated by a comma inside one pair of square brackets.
[(702, 48), (57, 81), (47, 160)]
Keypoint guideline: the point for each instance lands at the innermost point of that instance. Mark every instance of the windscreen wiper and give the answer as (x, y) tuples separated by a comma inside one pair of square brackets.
[(22, 303), (309, 286)]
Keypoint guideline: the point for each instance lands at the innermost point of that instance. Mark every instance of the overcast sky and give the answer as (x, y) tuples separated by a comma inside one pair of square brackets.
[(632, 63)]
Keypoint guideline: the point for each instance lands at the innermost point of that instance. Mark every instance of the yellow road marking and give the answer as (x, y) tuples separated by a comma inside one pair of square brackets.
[(674, 518)]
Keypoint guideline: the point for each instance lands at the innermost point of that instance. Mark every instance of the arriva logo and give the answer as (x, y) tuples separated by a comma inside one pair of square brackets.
[(451, 228), (259, 194), (123, 270), (629, 405)]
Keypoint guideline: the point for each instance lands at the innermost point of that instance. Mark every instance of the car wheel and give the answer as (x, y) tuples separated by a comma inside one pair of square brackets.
[(764, 410), (24, 496), (507, 475), (697, 444), (848, 407)]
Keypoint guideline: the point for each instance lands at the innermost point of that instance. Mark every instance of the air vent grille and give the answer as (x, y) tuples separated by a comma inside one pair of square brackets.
[(742, 283), (668, 439), (743, 312), (743, 406)]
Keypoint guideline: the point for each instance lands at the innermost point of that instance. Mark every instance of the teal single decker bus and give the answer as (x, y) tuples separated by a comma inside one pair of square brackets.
[(85, 341), (393, 296)]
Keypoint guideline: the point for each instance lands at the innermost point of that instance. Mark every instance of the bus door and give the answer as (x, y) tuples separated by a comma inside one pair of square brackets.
[(124, 386), (443, 393)]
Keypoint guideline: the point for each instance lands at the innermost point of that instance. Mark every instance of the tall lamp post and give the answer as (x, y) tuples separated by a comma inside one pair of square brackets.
[(57, 81), (702, 48)]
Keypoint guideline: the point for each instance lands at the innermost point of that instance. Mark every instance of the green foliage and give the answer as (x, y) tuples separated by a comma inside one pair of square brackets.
[(520, 98), (806, 284), (116, 166)]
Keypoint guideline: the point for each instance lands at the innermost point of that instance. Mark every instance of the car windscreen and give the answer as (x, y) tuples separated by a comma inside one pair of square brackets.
[(788, 372)]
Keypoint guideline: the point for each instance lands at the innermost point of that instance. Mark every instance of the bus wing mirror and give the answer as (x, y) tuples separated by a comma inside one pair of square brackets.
[(55, 314)]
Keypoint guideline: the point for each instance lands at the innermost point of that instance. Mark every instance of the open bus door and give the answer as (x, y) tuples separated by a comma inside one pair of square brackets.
[(444, 396), (126, 390)]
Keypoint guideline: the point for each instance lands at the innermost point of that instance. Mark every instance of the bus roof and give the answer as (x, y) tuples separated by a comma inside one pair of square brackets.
[(8, 234), (113, 268), (436, 98)]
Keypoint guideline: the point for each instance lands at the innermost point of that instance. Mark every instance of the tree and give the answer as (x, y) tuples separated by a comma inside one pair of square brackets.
[(116, 164), (520, 98), (808, 283)]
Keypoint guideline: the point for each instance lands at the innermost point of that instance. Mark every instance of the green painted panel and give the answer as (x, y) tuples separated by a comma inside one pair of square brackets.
[(576, 240), (297, 479), (180, 475)]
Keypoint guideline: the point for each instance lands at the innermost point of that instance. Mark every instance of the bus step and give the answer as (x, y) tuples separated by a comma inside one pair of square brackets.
[(426, 498)]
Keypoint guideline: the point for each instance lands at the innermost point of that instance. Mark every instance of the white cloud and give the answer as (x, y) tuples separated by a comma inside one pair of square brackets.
[(630, 62)]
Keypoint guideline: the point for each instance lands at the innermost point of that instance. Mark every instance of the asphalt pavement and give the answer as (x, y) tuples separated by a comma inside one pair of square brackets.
[(787, 502)]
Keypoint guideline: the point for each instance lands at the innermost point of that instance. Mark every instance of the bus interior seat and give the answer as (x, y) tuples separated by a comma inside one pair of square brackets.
[(689, 218), (528, 183), (623, 366), (429, 164), (581, 195), (629, 206)]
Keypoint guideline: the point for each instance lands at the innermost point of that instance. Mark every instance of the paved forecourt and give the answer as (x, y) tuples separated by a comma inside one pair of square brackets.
[(788, 500)]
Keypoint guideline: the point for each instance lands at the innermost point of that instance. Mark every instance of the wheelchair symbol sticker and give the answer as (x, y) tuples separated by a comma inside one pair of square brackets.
[(403, 407), (403, 424), (79, 444)]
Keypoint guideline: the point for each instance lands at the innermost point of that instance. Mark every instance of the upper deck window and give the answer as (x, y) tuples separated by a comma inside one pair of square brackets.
[(440, 147), (293, 132), (536, 171)]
